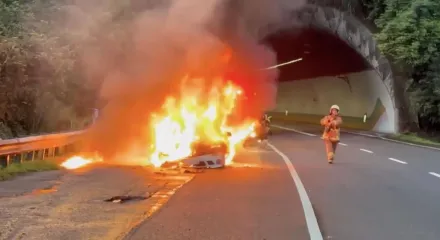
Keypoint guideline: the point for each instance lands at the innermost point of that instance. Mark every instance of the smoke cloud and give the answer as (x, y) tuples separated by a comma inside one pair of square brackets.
[(138, 59)]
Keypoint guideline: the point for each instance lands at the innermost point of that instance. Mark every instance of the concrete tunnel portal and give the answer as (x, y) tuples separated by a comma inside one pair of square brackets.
[(333, 71)]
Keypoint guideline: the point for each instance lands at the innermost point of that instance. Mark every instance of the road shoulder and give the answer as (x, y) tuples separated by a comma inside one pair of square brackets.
[(71, 205)]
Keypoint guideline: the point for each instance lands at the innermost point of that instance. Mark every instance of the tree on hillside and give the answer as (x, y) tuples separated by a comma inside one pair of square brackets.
[(409, 33), (40, 84)]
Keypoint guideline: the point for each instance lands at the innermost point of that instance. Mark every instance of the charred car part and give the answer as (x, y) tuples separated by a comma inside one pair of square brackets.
[(261, 132), (205, 155)]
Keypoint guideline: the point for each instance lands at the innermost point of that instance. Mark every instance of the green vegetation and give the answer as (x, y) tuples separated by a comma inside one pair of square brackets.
[(415, 138), (26, 167), (41, 85), (409, 34)]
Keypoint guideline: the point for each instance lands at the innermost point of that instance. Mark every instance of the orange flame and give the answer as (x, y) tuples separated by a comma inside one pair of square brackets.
[(77, 162), (199, 115)]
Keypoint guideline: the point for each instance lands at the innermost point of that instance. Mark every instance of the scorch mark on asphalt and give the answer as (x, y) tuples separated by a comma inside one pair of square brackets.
[(312, 222)]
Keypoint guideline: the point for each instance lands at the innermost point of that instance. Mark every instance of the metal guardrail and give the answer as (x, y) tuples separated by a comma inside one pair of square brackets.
[(18, 150)]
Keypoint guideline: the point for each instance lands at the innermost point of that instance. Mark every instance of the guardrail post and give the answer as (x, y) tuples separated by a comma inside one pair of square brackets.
[(45, 153), (39, 155), (57, 151), (51, 152)]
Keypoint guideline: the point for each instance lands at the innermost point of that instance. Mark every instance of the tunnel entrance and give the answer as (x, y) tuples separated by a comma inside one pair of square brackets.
[(323, 54), (331, 72)]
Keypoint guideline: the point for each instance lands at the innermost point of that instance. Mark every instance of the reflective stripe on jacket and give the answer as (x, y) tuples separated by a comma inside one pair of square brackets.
[(332, 132)]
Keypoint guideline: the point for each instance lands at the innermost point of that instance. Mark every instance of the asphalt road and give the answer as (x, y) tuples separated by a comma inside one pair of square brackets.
[(256, 202), (72, 204), (375, 190)]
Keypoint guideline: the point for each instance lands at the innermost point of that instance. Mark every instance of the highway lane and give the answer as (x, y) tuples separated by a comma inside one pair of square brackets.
[(233, 203), (364, 195), (422, 159)]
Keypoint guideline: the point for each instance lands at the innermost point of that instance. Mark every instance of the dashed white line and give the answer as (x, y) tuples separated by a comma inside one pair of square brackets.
[(397, 160), (343, 144), (365, 150), (312, 222), (435, 174), (294, 130)]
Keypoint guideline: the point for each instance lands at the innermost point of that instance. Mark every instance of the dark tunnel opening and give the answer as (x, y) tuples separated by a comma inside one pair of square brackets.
[(323, 54), (333, 73)]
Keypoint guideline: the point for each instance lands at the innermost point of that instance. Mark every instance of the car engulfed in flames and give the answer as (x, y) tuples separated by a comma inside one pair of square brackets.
[(198, 120)]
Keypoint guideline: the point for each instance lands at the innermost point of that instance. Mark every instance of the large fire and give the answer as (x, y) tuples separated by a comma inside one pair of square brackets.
[(201, 114)]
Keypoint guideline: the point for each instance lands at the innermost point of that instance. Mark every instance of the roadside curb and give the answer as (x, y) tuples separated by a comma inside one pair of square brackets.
[(363, 134), (392, 140)]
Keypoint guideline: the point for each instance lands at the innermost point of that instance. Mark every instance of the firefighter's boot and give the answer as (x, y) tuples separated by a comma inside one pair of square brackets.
[(330, 157)]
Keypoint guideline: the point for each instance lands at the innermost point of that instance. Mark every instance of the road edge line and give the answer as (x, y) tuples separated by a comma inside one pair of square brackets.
[(364, 135), (393, 140), (294, 130), (309, 213)]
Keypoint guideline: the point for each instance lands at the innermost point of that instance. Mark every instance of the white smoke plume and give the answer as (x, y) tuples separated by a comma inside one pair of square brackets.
[(137, 51)]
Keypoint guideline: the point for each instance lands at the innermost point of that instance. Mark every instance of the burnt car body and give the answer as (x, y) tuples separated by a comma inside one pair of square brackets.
[(205, 155), (261, 131)]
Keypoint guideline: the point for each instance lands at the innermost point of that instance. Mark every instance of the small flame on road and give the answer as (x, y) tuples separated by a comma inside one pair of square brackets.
[(76, 162)]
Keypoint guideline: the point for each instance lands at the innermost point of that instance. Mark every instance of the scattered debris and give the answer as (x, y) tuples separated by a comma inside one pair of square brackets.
[(122, 199), (200, 161), (172, 165), (205, 161), (192, 171)]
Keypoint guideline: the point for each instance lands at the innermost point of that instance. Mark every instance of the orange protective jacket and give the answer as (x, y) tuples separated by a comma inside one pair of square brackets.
[(332, 128)]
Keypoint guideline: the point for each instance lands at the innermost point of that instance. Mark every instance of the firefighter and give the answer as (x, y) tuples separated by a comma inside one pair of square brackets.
[(331, 123)]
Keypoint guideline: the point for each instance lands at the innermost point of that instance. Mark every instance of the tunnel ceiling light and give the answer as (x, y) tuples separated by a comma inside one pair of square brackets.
[(282, 64)]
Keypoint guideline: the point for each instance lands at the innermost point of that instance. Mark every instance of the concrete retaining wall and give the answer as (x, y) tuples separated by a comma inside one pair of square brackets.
[(356, 94)]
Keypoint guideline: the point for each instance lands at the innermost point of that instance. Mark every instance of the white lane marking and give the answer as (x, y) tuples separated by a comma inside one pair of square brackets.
[(435, 174), (362, 134), (343, 144), (397, 160), (365, 150), (294, 130), (312, 222)]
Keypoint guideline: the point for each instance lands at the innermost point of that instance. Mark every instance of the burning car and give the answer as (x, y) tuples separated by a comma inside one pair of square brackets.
[(261, 131), (199, 123)]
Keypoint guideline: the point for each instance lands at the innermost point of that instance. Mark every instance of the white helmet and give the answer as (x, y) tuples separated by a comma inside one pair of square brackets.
[(334, 107)]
